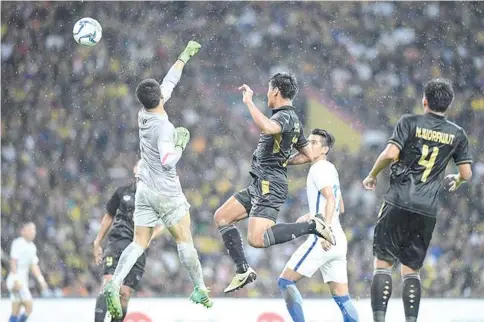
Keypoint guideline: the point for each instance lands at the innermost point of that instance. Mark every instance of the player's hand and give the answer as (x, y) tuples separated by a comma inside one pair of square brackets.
[(369, 183), (44, 286), (454, 181), (247, 94), (98, 254), (182, 137), (305, 218), (326, 244), (191, 50)]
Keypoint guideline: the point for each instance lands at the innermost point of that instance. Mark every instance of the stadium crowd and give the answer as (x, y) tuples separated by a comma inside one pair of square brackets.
[(69, 130)]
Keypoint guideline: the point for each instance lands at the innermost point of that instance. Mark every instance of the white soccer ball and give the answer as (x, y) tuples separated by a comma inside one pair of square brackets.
[(87, 32)]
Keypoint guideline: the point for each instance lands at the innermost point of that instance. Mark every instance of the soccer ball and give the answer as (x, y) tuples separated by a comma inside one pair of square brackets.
[(87, 32)]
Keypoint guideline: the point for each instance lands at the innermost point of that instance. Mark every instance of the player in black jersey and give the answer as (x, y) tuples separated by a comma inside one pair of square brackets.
[(263, 198), (420, 148), (118, 217)]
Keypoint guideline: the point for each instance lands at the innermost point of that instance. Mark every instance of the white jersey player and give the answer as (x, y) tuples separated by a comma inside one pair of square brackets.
[(324, 198), (159, 198), (23, 259)]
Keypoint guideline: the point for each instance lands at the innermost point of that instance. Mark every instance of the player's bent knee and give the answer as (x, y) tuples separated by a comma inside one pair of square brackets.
[(338, 289), (255, 240), (221, 218)]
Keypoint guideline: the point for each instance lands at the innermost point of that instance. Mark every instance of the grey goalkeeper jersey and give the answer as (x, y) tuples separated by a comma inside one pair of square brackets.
[(157, 168)]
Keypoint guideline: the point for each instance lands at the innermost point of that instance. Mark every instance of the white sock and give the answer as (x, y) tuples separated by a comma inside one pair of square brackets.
[(189, 259), (127, 260)]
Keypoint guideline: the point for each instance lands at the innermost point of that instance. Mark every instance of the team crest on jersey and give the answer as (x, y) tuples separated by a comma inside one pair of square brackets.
[(126, 198)]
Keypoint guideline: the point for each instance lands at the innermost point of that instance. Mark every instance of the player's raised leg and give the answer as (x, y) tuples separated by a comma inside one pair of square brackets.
[(142, 237), (233, 210), (189, 258)]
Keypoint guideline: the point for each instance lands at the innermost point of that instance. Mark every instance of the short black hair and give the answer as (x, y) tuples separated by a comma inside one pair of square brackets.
[(149, 93), (328, 138), (286, 83), (439, 94)]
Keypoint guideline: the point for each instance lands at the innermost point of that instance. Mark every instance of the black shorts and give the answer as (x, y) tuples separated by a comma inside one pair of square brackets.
[(111, 258), (263, 198), (402, 235)]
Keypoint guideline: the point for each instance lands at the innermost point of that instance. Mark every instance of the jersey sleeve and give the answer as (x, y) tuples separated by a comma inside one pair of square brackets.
[(16, 250), (321, 176), (169, 153), (113, 203), (283, 118), (302, 141), (401, 132), (462, 153), (169, 82)]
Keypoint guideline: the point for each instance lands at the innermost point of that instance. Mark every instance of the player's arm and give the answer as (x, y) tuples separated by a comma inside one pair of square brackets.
[(390, 153), (396, 143), (463, 160), (264, 123), (341, 206), (111, 209), (171, 146), (38, 276), (174, 74), (328, 194), (15, 252), (304, 151)]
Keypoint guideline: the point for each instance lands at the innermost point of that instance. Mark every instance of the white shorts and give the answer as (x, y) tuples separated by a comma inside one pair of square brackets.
[(311, 256), (23, 294), (152, 208)]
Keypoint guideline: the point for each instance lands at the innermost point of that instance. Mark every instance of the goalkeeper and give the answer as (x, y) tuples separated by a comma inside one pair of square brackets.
[(159, 197)]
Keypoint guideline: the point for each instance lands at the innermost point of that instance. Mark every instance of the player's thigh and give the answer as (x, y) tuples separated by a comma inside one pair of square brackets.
[(420, 230), (335, 274), (267, 198), (145, 213), (388, 237), (307, 258), (181, 230), (142, 235), (234, 209)]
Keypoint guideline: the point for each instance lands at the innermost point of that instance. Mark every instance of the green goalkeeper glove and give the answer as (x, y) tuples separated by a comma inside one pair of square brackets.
[(191, 50), (182, 137)]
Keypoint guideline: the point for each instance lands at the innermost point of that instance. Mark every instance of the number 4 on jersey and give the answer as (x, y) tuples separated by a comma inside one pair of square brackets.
[(427, 164)]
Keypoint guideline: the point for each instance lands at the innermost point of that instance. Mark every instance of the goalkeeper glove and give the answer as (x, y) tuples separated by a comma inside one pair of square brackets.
[(191, 50), (182, 137)]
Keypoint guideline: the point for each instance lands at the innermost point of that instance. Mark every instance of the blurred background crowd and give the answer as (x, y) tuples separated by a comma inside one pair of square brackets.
[(69, 131)]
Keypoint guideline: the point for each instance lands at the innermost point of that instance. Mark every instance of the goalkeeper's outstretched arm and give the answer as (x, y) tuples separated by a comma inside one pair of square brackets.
[(174, 74)]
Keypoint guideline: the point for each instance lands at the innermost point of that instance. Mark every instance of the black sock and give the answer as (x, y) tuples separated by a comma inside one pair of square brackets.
[(235, 247), (381, 290), (100, 311), (411, 293), (282, 233)]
